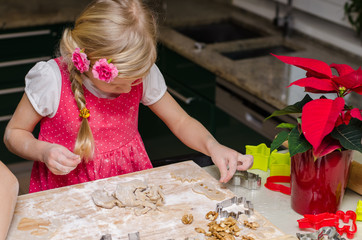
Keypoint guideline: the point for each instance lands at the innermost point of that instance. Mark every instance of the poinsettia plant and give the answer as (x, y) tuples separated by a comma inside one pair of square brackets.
[(324, 125)]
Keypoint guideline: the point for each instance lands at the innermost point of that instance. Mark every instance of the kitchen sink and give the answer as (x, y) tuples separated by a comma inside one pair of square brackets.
[(258, 52), (223, 31)]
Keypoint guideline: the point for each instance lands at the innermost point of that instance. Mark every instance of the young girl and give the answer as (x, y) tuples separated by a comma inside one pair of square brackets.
[(87, 103), (9, 188)]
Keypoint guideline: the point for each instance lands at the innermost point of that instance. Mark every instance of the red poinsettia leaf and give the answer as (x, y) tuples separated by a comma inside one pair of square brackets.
[(342, 69), (313, 66), (312, 90), (319, 117), (320, 85), (328, 145), (346, 117), (351, 80), (356, 113), (339, 121), (358, 90)]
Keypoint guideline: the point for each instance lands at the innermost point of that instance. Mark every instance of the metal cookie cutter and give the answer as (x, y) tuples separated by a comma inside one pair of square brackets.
[(248, 207), (328, 233), (134, 236), (246, 179), (106, 237), (131, 236)]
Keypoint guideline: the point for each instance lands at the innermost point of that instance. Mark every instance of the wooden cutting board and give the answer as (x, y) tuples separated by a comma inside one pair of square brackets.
[(69, 212)]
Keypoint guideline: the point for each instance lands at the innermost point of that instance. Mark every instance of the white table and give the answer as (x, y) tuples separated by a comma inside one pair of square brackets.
[(276, 207)]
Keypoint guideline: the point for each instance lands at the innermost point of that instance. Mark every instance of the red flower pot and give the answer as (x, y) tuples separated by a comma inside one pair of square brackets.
[(318, 186)]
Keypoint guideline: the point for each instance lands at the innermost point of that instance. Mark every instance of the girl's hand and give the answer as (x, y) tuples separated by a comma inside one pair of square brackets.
[(59, 160), (229, 160)]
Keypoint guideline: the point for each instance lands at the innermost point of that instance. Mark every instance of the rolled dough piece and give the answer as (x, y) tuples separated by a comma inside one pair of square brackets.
[(208, 190), (34, 225), (102, 199), (40, 231), (186, 175)]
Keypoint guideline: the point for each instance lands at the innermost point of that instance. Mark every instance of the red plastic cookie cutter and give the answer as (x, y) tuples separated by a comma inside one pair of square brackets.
[(331, 220), (272, 184)]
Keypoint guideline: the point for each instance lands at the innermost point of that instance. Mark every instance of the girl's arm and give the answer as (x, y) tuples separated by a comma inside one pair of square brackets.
[(9, 188), (193, 134), (19, 139)]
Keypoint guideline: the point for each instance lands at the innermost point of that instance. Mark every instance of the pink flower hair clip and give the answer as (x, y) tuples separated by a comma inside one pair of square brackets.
[(80, 60), (104, 70)]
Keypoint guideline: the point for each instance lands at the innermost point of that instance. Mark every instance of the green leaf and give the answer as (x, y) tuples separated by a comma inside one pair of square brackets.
[(286, 125), (278, 140), (349, 135), (295, 108), (297, 142)]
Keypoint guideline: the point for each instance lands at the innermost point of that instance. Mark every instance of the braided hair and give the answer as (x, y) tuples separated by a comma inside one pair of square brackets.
[(122, 30)]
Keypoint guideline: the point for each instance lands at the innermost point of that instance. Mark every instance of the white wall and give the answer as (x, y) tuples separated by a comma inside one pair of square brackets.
[(322, 19)]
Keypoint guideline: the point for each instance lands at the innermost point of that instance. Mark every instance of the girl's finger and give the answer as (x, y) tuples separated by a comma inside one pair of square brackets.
[(223, 171), (71, 155), (232, 165), (60, 169), (55, 170), (68, 162), (245, 162)]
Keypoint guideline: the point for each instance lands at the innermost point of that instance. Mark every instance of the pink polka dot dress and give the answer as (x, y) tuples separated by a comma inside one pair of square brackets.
[(114, 123)]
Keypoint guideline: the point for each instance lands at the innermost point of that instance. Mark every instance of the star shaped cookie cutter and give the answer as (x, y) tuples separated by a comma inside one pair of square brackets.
[(248, 208), (246, 179)]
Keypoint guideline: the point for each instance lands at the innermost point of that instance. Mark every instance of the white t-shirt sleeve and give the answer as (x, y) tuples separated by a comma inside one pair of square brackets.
[(43, 87), (154, 86)]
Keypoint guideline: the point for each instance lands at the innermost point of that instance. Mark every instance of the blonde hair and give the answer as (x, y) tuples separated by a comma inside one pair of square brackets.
[(121, 30)]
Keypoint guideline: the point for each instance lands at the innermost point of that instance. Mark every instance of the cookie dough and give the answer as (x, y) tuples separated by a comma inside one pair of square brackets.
[(125, 193), (134, 194), (208, 190), (184, 175), (102, 199)]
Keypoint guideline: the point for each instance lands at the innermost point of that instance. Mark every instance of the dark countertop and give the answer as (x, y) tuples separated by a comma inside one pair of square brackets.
[(264, 77), (20, 13)]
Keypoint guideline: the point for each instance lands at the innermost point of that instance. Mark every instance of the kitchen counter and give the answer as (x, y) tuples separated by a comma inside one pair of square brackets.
[(275, 206)]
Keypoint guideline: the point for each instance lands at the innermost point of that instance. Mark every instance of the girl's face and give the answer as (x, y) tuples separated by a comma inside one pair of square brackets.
[(117, 86)]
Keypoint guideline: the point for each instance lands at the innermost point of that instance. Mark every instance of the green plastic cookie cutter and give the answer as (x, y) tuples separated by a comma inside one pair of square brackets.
[(261, 155), (277, 162)]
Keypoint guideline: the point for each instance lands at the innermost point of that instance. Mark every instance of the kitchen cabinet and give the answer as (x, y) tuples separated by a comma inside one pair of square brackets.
[(194, 88), (20, 49)]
